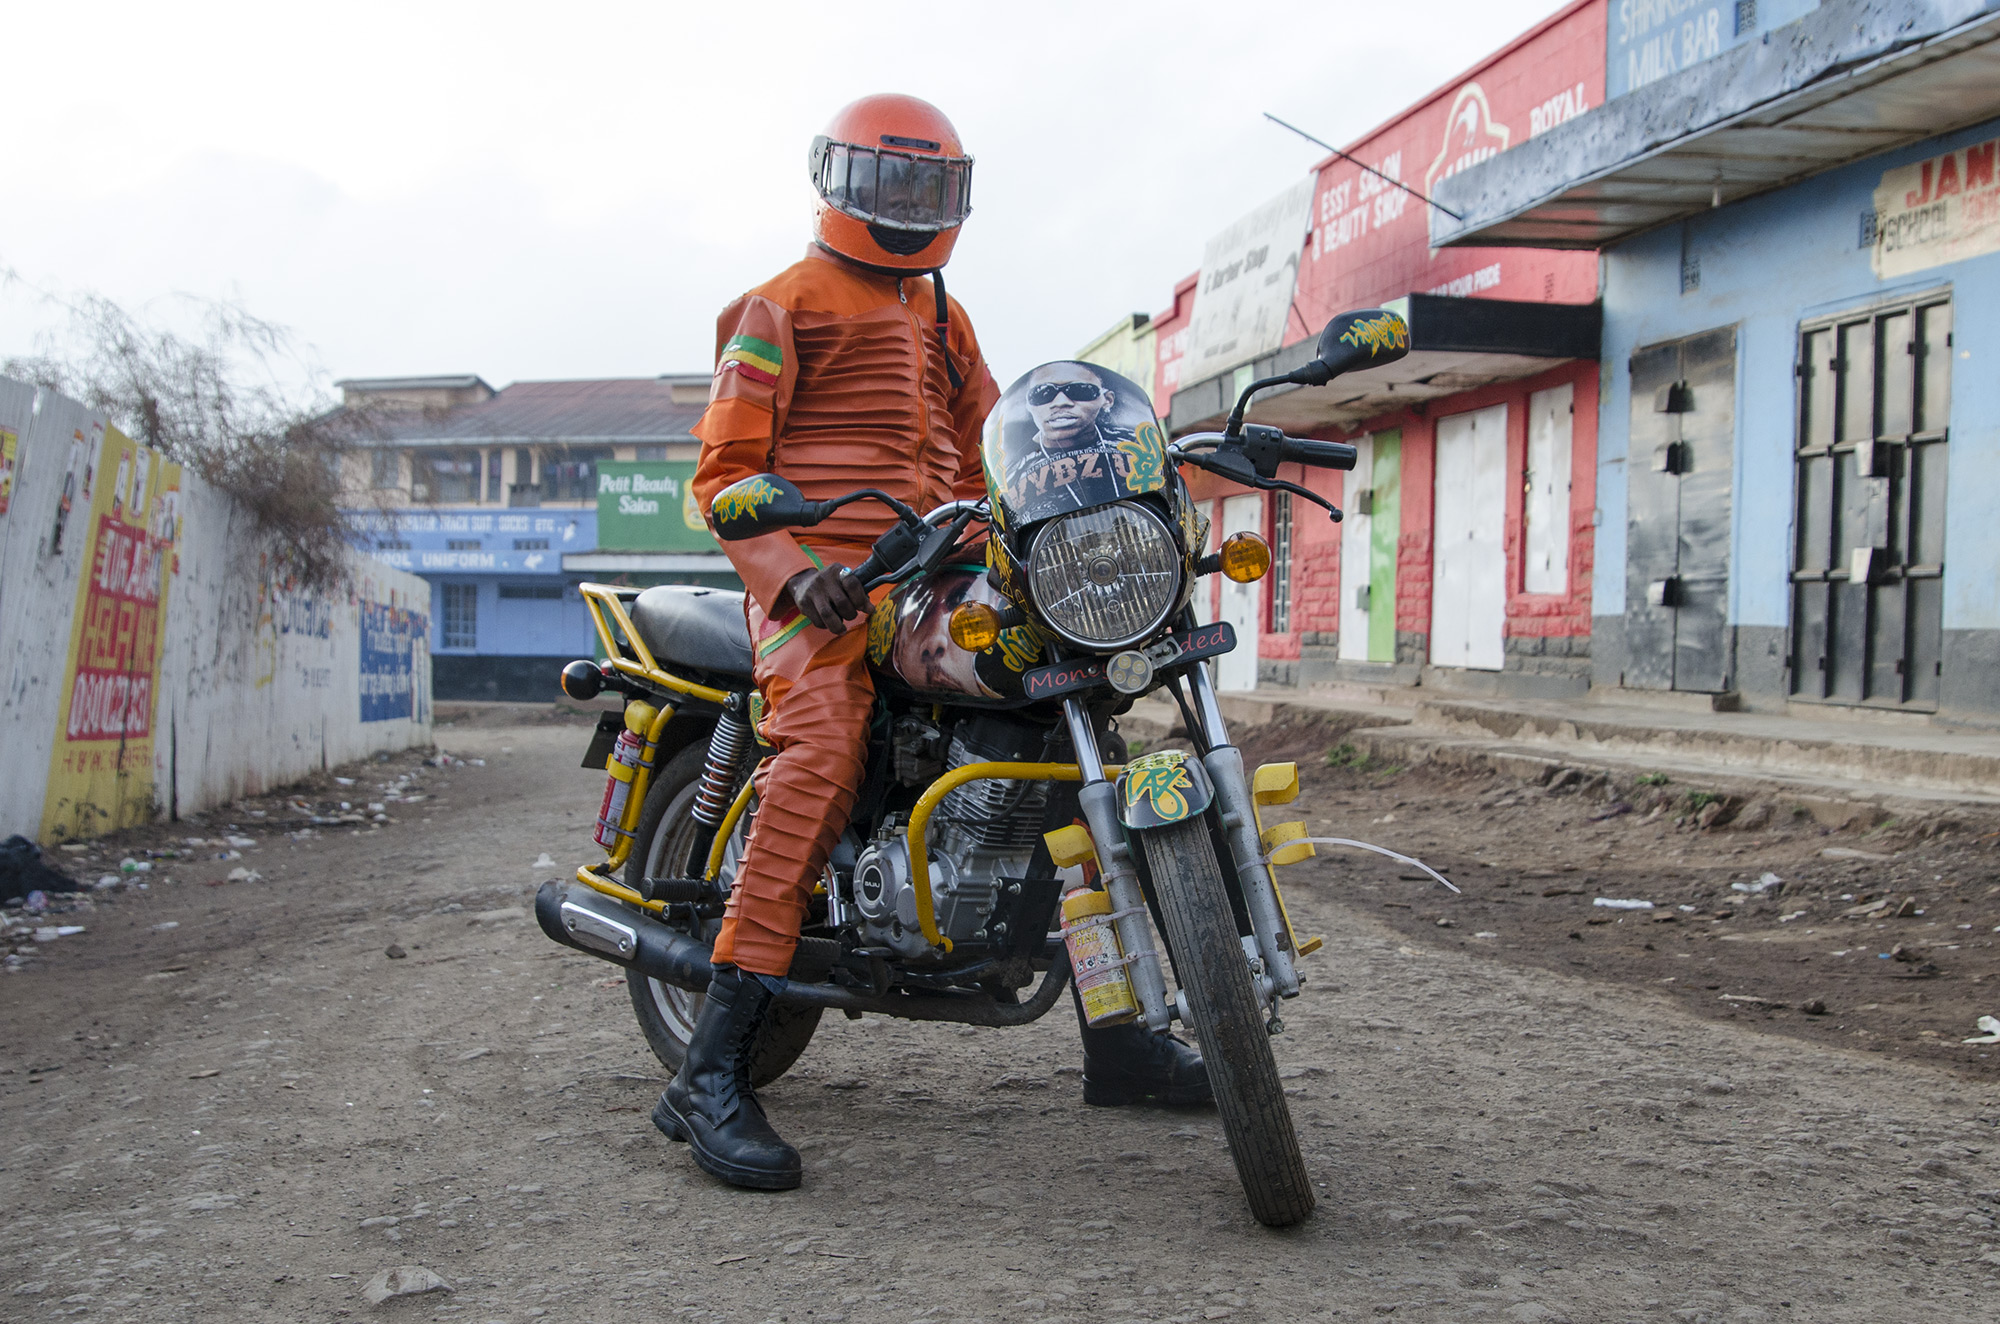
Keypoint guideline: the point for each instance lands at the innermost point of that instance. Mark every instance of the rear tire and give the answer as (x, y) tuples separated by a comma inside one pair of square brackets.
[(1228, 1019), (666, 836)]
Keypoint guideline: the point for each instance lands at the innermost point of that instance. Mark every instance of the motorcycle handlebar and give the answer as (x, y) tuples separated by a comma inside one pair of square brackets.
[(1266, 447), (1319, 454)]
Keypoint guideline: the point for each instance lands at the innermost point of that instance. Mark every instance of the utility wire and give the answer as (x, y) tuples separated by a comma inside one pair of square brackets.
[(1369, 168)]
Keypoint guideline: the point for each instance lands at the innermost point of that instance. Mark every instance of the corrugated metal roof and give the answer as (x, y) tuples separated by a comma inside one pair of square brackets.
[(579, 412), (1850, 80)]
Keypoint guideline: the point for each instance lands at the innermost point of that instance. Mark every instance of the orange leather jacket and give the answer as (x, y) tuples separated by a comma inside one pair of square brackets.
[(831, 375)]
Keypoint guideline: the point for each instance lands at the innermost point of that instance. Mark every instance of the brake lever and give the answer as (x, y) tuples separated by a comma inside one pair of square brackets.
[(1280, 485), (1237, 468)]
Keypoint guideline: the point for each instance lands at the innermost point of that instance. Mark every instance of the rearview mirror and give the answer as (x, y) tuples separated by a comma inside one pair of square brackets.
[(1367, 338), (760, 504)]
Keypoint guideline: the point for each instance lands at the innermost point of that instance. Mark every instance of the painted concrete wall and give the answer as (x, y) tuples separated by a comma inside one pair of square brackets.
[(1766, 265), (258, 683)]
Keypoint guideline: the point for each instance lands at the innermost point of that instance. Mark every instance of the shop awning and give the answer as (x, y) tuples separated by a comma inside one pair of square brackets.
[(1854, 78), (1455, 345)]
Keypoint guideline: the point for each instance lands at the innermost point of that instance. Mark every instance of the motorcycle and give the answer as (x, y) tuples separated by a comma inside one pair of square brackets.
[(1002, 842)]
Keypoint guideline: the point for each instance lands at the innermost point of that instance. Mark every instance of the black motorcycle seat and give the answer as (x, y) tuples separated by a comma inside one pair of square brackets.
[(696, 627)]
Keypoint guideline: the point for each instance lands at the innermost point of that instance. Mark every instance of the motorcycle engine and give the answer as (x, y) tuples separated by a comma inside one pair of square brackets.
[(981, 834)]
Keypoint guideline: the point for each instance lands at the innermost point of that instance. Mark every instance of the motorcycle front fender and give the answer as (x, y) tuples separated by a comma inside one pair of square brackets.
[(1160, 789)]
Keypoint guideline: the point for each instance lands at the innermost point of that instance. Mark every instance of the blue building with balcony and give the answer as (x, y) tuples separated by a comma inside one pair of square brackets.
[(492, 496)]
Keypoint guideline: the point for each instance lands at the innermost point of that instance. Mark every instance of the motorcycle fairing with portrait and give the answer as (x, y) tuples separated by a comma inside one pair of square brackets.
[(1018, 628)]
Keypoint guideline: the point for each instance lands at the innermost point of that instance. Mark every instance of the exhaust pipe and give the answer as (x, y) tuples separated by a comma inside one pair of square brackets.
[(610, 930), (594, 923)]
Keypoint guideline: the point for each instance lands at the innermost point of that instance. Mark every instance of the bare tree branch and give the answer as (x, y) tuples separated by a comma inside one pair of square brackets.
[(233, 399)]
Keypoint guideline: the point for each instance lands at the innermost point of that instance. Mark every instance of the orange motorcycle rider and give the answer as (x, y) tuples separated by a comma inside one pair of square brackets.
[(851, 368)]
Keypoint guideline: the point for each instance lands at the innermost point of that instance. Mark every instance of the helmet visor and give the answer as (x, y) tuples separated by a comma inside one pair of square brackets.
[(900, 190)]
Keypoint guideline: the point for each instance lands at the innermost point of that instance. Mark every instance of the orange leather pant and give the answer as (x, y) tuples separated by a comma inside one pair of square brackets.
[(819, 695)]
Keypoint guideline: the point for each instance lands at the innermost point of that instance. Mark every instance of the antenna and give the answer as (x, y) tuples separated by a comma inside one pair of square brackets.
[(1369, 168)]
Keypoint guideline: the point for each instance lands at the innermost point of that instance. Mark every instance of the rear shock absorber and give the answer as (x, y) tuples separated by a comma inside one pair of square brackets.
[(727, 746)]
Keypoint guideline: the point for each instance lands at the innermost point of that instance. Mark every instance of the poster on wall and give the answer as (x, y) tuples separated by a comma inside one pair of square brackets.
[(79, 477), (1248, 273), (10, 445), (1944, 209), (101, 771), (649, 506), (393, 648)]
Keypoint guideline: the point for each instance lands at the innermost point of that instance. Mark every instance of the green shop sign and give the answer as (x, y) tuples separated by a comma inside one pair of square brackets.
[(649, 506)]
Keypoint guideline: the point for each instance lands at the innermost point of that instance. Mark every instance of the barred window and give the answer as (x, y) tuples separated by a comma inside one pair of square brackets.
[(1281, 563), (571, 474), (462, 545), (461, 615), (453, 477), (531, 544), (493, 477), (386, 468), (532, 592)]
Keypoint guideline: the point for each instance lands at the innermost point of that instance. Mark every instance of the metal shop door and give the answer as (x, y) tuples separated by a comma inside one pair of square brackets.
[(1368, 540), (1868, 576), (1678, 493), (1237, 669), (1469, 564)]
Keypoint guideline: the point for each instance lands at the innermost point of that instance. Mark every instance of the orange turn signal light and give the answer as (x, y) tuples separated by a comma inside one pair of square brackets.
[(975, 627), (1246, 558)]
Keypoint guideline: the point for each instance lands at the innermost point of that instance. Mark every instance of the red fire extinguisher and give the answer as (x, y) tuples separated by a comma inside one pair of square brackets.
[(623, 767)]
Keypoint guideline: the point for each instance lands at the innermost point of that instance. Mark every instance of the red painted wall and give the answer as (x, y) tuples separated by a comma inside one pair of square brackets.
[(1170, 343), (1528, 614), (1370, 241)]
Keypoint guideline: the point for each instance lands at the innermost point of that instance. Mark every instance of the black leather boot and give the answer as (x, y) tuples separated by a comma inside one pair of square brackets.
[(710, 1104), (1127, 1064)]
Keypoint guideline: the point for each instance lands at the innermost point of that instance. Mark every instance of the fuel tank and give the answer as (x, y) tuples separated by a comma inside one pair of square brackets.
[(909, 640)]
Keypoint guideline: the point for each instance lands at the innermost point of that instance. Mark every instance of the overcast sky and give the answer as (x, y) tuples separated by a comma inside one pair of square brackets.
[(534, 191)]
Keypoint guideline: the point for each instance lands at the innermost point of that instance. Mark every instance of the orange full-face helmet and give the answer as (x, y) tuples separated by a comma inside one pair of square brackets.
[(894, 184)]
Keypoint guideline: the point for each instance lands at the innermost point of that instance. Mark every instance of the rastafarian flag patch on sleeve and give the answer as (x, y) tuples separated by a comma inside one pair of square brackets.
[(759, 360)]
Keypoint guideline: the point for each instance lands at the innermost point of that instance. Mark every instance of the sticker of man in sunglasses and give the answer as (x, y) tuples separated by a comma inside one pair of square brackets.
[(1073, 407), (1080, 442)]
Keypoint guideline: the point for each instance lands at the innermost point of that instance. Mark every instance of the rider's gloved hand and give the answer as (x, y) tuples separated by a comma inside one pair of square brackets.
[(829, 597)]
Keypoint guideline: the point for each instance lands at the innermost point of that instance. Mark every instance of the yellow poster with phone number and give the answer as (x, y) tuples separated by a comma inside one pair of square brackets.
[(101, 771)]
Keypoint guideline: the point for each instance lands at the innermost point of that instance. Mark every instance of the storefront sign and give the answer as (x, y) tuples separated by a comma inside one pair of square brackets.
[(1248, 273), (1945, 209), (1370, 238), (1647, 40), (649, 506), (101, 772)]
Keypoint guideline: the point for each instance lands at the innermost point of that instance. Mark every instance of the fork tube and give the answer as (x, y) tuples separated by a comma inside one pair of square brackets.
[(1239, 822), (1098, 799)]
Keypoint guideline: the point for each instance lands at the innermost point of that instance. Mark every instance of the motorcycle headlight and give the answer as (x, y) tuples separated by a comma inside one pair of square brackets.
[(1105, 578)]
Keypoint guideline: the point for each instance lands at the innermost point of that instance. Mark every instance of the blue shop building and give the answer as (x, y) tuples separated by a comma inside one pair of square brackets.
[(493, 496), (1799, 432)]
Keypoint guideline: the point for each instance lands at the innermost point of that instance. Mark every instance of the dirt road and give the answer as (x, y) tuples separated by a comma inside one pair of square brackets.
[(249, 1114)]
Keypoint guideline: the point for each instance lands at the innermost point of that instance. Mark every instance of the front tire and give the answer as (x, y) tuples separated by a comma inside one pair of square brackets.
[(666, 837), (1228, 1019)]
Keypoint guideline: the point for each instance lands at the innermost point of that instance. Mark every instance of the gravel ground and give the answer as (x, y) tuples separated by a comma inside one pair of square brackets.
[(250, 1114)]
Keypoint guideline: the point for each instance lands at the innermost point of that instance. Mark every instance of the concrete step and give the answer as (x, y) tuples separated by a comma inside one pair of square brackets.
[(1833, 802), (1855, 755)]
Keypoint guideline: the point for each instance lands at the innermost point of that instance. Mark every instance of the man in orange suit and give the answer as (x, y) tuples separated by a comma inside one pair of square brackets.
[(852, 368)]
